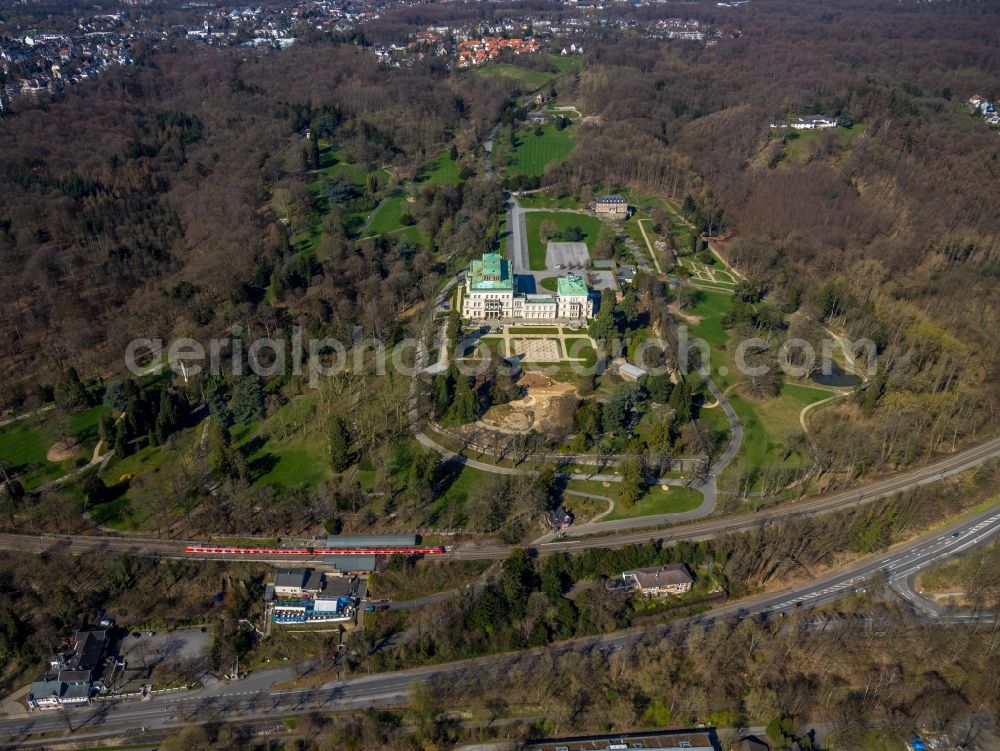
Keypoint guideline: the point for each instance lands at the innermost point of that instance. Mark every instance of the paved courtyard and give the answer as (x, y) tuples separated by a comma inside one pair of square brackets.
[(602, 280), (566, 256), (538, 350)]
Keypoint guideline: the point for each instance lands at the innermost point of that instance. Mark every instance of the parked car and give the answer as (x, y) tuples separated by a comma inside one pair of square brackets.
[(369, 608), (382, 608)]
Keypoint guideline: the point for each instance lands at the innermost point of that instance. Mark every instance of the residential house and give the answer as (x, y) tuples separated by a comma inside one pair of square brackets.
[(808, 122), (660, 581), (753, 743), (560, 518), (610, 204), (297, 582), (73, 675)]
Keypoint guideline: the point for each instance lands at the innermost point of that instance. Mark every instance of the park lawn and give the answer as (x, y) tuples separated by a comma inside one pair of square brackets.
[(532, 79), (714, 418), (534, 153), (594, 487), (299, 460), (566, 63), (589, 225), (121, 512), (551, 283), (543, 200), (658, 501), (442, 170), (534, 330), (387, 216), (797, 150), (411, 234), (336, 166), (780, 415), (24, 445), (485, 351), (710, 309), (449, 507), (584, 349), (494, 344)]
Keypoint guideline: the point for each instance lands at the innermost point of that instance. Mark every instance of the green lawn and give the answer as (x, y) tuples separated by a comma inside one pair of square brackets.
[(543, 200), (448, 508), (493, 343), (801, 145), (24, 445), (593, 487), (533, 153), (591, 227), (531, 79), (551, 283), (336, 166), (387, 216), (584, 348), (442, 170), (534, 330), (780, 416), (300, 460), (658, 501)]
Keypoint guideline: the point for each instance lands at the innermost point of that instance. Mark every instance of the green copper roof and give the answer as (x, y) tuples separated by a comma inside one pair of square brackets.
[(492, 272), (571, 285)]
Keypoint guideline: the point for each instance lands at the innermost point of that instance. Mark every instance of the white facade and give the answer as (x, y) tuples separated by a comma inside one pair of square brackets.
[(489, 295)]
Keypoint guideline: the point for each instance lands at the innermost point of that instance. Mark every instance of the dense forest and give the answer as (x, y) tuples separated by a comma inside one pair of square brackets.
[(149, 216)]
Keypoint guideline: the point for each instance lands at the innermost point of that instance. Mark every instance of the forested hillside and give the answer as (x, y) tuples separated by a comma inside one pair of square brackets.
[(887, 227), (139, 205)]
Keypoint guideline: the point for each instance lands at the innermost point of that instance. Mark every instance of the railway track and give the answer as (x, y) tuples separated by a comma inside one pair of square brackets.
[(699, 530)]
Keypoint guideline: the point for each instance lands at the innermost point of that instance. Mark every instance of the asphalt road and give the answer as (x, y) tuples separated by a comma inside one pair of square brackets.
[(256, 697), (517, 240)]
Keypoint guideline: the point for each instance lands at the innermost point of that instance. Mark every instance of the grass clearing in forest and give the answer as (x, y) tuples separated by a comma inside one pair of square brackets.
[(532, 153), (676, 500), (442, 170)]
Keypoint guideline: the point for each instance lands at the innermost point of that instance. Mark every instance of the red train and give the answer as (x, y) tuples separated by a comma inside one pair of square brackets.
[(229, 550)]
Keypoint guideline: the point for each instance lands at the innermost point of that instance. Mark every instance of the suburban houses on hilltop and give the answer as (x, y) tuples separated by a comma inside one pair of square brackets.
[(478, 51)]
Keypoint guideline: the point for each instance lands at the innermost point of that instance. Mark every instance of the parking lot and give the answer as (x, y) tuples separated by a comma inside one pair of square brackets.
[(566, 256), (165, 646)]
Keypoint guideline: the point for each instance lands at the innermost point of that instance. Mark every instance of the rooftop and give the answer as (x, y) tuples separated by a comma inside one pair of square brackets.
[(370, 541), (633, 371), (291, 577), (572, 285), (611, 198), (660, 576), (694, 740), (491, 272)]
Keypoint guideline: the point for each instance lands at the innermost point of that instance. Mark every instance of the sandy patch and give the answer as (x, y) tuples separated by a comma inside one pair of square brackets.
[(547, 406), (675, 309), (60, 451)]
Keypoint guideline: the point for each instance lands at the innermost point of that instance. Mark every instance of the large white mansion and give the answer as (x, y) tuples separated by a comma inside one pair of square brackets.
[(490, 293)]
